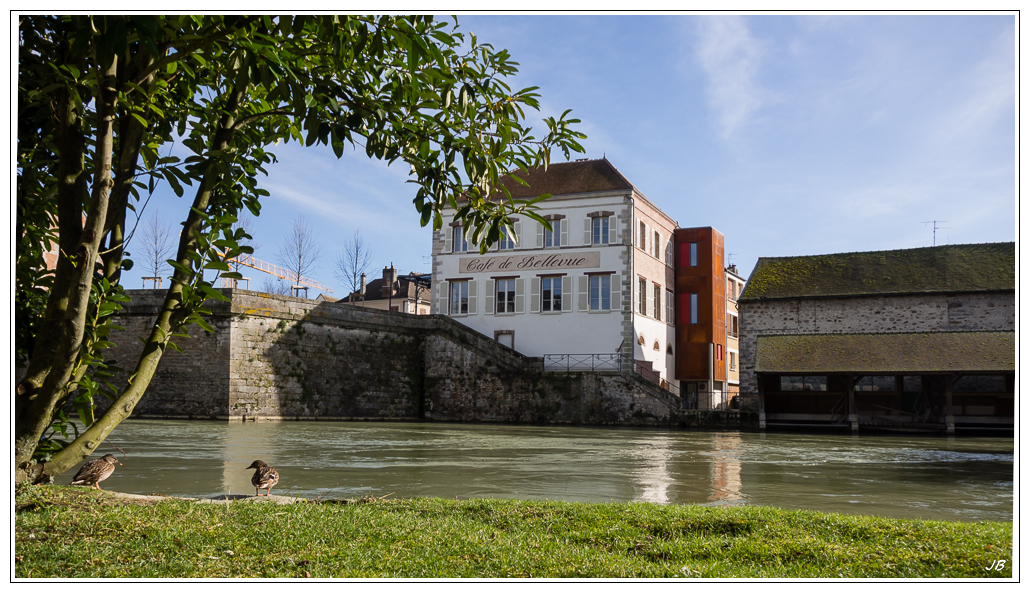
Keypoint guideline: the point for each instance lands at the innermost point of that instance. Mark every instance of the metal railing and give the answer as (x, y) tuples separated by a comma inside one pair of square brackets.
[(583, 362)]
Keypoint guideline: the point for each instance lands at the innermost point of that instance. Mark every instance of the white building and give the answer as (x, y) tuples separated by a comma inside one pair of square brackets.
[(601, 282)]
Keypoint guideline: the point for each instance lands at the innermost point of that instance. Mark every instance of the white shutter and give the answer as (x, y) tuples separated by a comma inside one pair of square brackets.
[(447, 242), (534, 295), (616, 292), (490, 292), (583, 298), (668, 252), (520, 295), (564, 235), (566, 294), (441, 300), (539, 235), (472, 297), (518, 232), (613, 230), (587, 230), (648, 300)]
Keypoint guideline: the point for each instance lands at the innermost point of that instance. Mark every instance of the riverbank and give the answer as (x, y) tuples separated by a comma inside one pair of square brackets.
[(68, 532)]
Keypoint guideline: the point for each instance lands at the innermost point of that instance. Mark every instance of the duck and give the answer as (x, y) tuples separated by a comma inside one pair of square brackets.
[(95, 471), (264, 477)]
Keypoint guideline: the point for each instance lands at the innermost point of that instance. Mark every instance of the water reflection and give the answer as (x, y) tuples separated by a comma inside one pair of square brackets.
[(967, 479)]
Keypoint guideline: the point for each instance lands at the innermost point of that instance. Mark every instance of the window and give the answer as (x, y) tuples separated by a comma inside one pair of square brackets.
[(718, 352), (552, 238), (600, 230), (600, 293), (642, 296), (670, 311), (731, 325), (642, 238), (802, 383), (732, 286), (460, 298), (505, 242), (460, 242), (980, 384), (550, 293), (912, 384), (506, 296), (693, 307), (656, 246), (693, 254), (657, 302), (733, 361), (876, 384)]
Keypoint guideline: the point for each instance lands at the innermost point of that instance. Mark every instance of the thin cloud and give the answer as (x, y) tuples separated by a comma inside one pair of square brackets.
[(731, 57)]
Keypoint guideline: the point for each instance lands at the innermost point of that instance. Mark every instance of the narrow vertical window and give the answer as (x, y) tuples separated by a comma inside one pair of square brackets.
[(552, 238), (693, 307), (670, 311), (506, 296), (643, 236), (600, 230), (600, 293), (460, 241), (657, 302), (656, 247), (550, 294), (693, 254), (460, 298)]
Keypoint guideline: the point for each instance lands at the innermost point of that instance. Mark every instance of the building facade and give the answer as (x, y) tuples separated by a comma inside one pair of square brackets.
[(598, 282), (734, 286), (914, 338), (403, 294)]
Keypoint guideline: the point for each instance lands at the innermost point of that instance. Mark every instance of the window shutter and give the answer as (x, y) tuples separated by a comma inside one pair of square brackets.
[(649, 301), (613, 230), (490, 292), (518, 232), (669, 252), (520, 295), (564, 235), (441, 300), (616, 292), (588, 230), (472, 297), (534, 295), (447, 236), (584, 293), (566, 294), (539, 235)]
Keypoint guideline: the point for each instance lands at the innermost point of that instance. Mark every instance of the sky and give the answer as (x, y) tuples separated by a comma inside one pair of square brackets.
[(791, 135)]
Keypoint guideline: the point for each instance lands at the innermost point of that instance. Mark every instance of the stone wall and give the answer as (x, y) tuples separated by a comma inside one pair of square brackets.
[(277, 357), (984, 311)]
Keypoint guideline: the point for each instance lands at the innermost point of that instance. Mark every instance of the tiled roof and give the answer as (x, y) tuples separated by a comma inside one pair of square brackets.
[(374, 291), (568, 178), (887, 353), (948, 268)]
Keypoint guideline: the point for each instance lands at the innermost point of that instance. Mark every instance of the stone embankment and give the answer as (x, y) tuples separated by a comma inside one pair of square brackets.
[(275, 357)]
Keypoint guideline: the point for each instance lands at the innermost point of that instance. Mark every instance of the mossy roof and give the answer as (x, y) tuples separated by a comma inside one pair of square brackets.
[(582, 176), (948, 268), (887, 353)]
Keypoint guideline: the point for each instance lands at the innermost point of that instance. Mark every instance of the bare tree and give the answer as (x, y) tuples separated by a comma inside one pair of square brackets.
[(156, 242), (275, 287), (353, 261), (299, 252)]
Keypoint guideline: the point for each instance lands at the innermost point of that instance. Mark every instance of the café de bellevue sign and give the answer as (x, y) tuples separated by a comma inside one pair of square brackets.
[(530, 263)]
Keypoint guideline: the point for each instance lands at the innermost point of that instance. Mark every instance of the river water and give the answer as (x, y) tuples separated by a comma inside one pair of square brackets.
[(949, 478)]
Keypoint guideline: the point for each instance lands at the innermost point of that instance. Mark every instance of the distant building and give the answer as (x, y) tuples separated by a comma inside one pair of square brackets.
[(913, 338), (734, 286), (599, 282), (404, 294)]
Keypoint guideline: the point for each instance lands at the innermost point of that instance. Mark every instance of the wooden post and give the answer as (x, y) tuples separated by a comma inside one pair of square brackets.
[(761, 402), (949, 414), (852, 411)]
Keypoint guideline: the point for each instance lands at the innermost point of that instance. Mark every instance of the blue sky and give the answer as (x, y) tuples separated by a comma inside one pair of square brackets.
[(792, 135)]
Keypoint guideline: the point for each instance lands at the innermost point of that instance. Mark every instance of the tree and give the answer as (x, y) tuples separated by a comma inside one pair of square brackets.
[(102, 98), (155, 243), (353, 261), (300, 251)]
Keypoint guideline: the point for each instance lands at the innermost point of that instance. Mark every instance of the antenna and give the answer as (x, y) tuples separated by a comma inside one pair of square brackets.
[(936, 228), (729, 259)]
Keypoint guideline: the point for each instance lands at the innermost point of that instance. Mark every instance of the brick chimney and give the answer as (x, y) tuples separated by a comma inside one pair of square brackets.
[(361, 290), (389, 281)]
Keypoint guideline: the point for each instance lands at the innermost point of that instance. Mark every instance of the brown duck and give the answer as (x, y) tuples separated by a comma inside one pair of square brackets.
[(264, 477), (95, 471)]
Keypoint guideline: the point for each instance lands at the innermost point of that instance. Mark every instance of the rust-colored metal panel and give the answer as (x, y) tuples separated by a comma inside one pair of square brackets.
[(697, 342)]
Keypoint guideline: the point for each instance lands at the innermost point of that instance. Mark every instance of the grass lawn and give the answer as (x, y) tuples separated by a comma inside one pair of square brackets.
[(69, 532)]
